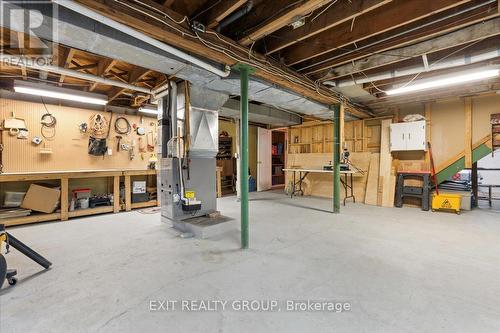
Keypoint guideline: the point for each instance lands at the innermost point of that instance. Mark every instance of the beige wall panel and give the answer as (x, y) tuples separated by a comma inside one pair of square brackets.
[(447, 132), (69, 146), (482, 108)]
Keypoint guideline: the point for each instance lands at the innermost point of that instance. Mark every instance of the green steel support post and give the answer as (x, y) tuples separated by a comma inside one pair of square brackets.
[(336, 158), (245, 72)]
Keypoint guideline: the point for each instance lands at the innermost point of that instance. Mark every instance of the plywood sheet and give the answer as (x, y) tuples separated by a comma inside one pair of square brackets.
[(69, 146), (385, 180), (372, 181)]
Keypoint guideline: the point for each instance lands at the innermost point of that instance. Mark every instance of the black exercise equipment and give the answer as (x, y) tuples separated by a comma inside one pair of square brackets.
[(9, 274)]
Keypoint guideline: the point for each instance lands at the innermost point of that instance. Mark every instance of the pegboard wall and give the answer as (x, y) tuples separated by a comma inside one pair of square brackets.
[(69, 146)]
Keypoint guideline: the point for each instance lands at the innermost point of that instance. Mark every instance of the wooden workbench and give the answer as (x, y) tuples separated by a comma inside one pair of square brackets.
[(64, 177)]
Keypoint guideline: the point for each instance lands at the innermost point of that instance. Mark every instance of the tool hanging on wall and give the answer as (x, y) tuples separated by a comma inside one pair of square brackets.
[(45, 150), (48, 122), (14, 125), (140, 131), (122, 126), (48, 129), (118, 139), (110, 122), (22, 134), (150, 141), (97, 147), (83, 127), (98, 129), (142, 148), (131, 151), (98, 126), (36, 140)]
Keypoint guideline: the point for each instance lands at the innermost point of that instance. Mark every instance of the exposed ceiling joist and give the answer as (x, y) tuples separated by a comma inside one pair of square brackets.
[(422, 30), (473, 33), (395, 14), (217, 11), (338, 13), (168, 3), (64, 61), (285, 18), (135, 75), (103, 67)]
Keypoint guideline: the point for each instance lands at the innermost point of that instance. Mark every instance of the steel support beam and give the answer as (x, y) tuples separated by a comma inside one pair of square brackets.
[(336, 158), (245, 72)]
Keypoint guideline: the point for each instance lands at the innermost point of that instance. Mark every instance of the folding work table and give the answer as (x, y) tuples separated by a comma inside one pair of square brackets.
[(347, 181)]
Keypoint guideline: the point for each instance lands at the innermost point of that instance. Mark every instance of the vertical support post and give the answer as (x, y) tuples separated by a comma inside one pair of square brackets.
[(342, 131), (428, 115), (238, 159), (64, 199), (336, 158), (116, 194), (474, 177), (128, 193), (245, 71), (468, 132)]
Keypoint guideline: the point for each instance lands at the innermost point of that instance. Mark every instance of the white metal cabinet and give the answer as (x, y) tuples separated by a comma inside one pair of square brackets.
[(408, 136)]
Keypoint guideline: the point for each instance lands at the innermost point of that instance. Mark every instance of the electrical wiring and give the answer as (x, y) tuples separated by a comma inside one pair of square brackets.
[(162, 20), (122, 126), (185, 18), (206, 9), (324, 10), (48, 122)]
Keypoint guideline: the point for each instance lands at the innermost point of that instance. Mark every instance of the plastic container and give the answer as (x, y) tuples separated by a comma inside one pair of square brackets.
[(13, 199), (252, 185), (83, 203)]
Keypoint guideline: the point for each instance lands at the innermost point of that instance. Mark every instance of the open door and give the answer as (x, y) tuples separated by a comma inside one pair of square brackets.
[(264, 161)]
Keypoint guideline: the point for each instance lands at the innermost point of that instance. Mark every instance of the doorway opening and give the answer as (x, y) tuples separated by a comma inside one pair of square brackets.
[(278, 150)]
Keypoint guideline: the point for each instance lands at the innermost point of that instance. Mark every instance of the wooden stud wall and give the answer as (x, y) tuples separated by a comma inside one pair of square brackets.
[(69, 145)]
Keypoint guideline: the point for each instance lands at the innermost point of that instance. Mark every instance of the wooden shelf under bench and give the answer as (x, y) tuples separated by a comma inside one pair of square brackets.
[(64, 176)]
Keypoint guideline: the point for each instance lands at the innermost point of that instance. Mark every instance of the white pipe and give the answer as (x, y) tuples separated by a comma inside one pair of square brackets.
[(136, 34), (461, 61), (173, 116), (26, 62)]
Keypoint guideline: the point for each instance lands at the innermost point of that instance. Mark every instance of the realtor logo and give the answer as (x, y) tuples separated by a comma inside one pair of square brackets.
[(28, 29)]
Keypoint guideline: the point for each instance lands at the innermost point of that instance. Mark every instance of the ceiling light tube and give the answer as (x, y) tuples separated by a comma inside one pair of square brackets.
[(59, 93), (445, 82)]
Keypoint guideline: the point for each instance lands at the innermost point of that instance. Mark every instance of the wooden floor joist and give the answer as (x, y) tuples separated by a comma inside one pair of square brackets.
[(393, 15)]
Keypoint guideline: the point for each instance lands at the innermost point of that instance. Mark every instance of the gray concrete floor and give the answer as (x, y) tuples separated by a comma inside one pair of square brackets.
[(402, 270)]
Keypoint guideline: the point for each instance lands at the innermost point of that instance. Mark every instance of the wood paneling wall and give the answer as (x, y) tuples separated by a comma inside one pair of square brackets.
[(69, 146)]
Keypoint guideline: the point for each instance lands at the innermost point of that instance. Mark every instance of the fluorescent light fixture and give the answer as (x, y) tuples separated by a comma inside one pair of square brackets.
[(444, 82), (148, 110), (59, 93)]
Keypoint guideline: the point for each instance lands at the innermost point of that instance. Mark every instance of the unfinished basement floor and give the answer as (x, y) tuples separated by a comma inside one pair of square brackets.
[(402, 270)]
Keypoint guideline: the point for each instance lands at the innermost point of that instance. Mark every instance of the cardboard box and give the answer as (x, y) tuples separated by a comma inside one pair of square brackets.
[(41, 199)]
